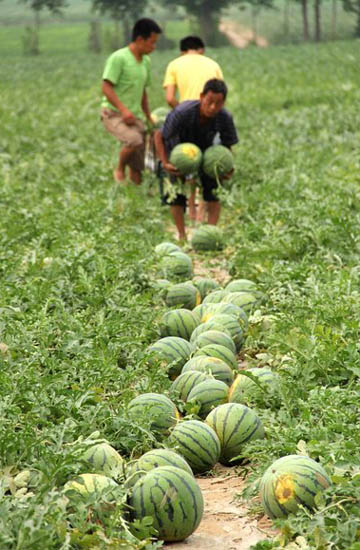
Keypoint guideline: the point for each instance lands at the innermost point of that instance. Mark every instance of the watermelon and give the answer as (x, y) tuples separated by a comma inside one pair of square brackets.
[(212, 366), (159, 115), (245, 300), (172, 498), (243, 389), (207, 237), (240, 285), (208, 310), (93, 487), (161, 286), (215, 296), (222, 352), (205, 286), (186, 381), (197, 443), (178, 322), (215, 337), (226, 323), (104, 459), (155, 459), (165, 248), (290, 482), (186, 157), (176, 265), (183, 295), (156, 406), (235, 425), (217, 161), (173, 352), (208, 395)]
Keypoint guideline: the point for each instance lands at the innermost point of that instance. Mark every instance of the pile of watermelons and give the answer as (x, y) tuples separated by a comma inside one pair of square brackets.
[(206, 417)]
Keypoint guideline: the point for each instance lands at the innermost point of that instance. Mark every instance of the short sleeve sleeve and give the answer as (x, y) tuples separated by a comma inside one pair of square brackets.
[(113, 68), (228, 134), (219, 73), (170, 76)]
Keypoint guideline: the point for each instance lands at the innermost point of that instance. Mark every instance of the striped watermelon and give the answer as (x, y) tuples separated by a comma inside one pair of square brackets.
[(186, 157), (176, 265), (244, 390), (245, 300), (155, 459), (205, 286), (172, 498), (207, 237), (215, 337), (159, 115), (165, 248), (93, 487), (226, 323), (159, 408), (215, 296), (221, 308), (185, 382), (217, 161), (178, 322), (161, 286), (235, 425), (173, 352), (212, 366), (208, 395), (184, 295), (197, 443), (290, 482), (223, 353), (240, 285), (104, 459)]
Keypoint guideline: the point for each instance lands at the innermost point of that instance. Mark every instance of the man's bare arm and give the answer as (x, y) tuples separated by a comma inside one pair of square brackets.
[(110, 94), (170, 95), (161, 153)]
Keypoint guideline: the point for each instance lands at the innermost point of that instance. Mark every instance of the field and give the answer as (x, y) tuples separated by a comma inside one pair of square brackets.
[(78, 309)]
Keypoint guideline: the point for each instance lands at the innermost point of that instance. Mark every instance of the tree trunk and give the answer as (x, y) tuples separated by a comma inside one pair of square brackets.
[(208, 27), (304, 9), (317, 14), (126, 31), (286, 19), (333, 19)]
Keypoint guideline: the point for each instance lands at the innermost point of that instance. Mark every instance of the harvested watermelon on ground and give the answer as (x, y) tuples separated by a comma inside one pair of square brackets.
[(165, 248), (185, 382), (207, 237), (172, 498), (244, 389), (178, 322), (104, 459), (239, 285), (235, 425), (222, 322), (222, 352), (205, 286), (246, 299), (197, 443), (154, 406), (186, 157), (176, 266), (155, 459), (215, 337), (92, 487), (208, 395), (215, 297), (172, 352), (212, 366), (183, 295), (290, 482), (218, 161)]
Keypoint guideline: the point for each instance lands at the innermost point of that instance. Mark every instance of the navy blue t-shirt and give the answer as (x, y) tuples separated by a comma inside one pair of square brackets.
[(183, 125)]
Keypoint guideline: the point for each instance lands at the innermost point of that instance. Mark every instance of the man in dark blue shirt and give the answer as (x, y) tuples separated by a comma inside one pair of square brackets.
[(202, 122)]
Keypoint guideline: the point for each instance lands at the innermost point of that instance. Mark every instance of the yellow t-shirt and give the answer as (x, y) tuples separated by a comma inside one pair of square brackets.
[(189, 73)]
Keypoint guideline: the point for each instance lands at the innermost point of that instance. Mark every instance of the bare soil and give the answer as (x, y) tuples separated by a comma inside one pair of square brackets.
[(240, 36)]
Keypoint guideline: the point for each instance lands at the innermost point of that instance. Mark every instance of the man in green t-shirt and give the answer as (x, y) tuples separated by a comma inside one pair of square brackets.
[(125, 103)]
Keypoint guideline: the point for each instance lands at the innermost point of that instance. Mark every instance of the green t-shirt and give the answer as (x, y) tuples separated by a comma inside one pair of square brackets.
[(129, 77)]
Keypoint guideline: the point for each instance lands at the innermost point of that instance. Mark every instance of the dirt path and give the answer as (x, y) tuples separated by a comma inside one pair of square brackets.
[(239, 36)]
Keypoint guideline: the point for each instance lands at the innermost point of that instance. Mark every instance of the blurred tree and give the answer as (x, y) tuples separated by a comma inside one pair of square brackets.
[(121, 11), (31, 36), (317, 19), (354, 7), (305, 17)]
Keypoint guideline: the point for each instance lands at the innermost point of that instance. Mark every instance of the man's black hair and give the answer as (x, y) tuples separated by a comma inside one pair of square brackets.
[(215, 85), (191, 43), (144, 28)]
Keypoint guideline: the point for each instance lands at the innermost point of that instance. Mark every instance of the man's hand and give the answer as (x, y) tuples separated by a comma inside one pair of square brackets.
[(228, 175), (171, 169), (128, 117)]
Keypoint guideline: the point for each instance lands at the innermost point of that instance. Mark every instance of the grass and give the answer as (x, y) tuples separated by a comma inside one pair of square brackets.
[(78, 310)]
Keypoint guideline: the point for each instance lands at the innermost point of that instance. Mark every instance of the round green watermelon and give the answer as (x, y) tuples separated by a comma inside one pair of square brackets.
[(209, 310), (205, 286), (226, 323), (156, 406), (235, 425), (217, 161), (246, 299), (178, 322), (215, 297), (155, 459), (165, 248), (215, 337), (244, 389), (172, 498), (212, 366), (186, 157), (208, 395), (159, 115), (207, 237), (176, 265), (104, 459), (183, 295), (92, 487), (173, 352), (290, 482), (240, 285), (197, 443), (185, 382), (222, 352)]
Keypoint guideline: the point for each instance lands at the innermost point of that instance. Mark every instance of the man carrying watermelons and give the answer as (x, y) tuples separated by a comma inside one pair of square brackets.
[(196, 122), (187, 75), (125, 102)]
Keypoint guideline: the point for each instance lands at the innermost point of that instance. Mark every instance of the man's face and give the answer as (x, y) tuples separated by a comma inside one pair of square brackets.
[(147, 45), (211, 103)]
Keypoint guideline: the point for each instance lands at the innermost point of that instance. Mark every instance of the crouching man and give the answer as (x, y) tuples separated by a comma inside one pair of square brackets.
[(198, 122)]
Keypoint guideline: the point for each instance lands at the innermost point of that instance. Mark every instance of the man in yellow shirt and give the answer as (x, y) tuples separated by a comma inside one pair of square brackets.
[(186, 76)]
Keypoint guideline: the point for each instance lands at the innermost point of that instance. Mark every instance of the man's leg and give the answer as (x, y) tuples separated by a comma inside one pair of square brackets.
[(213, 212), (124, 157), (201, 211), (177, 213), (191, 202)]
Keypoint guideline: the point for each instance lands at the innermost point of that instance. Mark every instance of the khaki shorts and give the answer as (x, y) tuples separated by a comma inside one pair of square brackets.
[(130, 136)]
